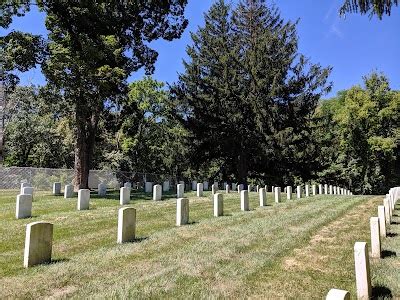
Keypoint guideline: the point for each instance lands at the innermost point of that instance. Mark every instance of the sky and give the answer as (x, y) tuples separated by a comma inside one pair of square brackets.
[(354, 46)]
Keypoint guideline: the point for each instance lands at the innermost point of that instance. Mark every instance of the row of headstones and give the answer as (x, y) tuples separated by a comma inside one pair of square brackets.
[(39, 235), (361, 255)]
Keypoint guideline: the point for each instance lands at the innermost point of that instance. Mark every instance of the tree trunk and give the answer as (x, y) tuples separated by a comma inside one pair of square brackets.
[(242, 169), (86, 127)]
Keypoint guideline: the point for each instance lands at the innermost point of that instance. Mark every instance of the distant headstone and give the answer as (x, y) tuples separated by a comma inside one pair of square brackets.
[(263, 197), (194, 185), (180, 189), (307, 188), (330, 190), (128, 185), (23, 185), (23, 206), (56, 188), (214, 189), (126, 225), (326, 189), (27, 191), (244, 200), (227, 189), (320, 189), (38, 243), (205, 185), (298, 191), (124, 195), (68, 191), (218, 205), (257, 188), (102, 190), (361, 263), (277, 194), (199, 190), (240, 188), (314, 189), (83, 199), (249, 188), (148, 187), (289, 193), (182, 211), (234, 186), (166, 186), (157, 192)]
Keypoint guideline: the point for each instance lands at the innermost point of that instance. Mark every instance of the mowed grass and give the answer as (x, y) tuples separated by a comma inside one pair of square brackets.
[(295, 249)]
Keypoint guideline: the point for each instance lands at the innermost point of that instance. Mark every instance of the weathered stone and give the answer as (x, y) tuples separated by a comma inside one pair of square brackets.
[(375, 238), (56, 188), (28, 190), (307, 188), (102, 189), (314, 189), (298, 192), (289, 193), (157, 192), (68, 191), (23, 206), (38, 243), (277, 194), (148, 187), (23, 185), (263, 197), (182, 211), (218, 205), (361, 263), (194, 185), (382, 222), (244, 200), (126, 225), (128, 185), (83, 199), (166, 186), (180, 190), (335, 294), (199, 190)]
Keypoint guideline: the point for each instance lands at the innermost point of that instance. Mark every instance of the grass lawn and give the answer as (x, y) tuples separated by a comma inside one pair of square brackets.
[(295, 249)]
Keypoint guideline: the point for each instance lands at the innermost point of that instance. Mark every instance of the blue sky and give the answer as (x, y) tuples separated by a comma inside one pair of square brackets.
[(353, 46)]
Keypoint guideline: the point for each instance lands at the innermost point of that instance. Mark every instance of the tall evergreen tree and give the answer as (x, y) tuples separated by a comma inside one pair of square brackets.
[(244, 86)]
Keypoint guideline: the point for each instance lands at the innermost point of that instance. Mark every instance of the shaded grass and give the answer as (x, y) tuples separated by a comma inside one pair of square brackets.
[(243, 254)]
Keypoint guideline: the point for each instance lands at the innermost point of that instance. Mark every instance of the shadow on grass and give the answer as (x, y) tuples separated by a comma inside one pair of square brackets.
[(392, 234), (381, 292), (394, 223), (192, 223), (58, 260), (388, 253)]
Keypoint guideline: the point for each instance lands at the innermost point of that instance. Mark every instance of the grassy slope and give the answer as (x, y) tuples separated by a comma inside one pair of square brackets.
[(300, 249)]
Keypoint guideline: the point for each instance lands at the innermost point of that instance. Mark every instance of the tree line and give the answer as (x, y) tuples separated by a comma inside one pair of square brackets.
[(246, 108)]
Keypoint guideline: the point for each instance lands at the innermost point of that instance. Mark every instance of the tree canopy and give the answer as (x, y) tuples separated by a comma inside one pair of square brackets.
[(373, 7)]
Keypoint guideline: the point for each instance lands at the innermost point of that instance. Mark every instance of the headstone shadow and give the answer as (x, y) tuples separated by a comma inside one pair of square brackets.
[(58, 260), (392, 234), (381, 292), (388, 253)]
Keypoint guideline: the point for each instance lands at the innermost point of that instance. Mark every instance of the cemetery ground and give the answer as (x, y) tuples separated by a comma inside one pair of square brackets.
[(294, 249)]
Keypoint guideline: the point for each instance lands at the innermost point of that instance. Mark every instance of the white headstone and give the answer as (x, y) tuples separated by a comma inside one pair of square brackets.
[(126, 225), (361, 263), (157, 192), (56, 188), (307, 188), (330, 190), (298, 191), (38, 243), (244, 200), (128, 185), (320, 189), (289, 193), (83, 199), (326, 189), (257, 188), (314, 189), (68, 191), (227, 189), (102, 190), (199, 190), (148, 187), (375, 238), (234, 186), (277, 194), (27, 191), (182, 211), (23, 185), (180, 189), (218, 205), (382, 223), (23, 206), (335, 294), (263, 197)]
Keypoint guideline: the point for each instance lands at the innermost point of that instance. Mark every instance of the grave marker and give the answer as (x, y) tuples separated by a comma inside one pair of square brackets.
[(157, 192), (23, 206), (182, 211), (38, 243), (126, 225), (361, 263), (218, 205), (83, 199)]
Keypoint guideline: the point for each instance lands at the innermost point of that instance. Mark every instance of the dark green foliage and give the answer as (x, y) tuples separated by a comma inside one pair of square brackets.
[(373, 7), (246, 93)]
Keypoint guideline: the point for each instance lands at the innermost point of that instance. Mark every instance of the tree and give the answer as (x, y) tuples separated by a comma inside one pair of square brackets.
[(91, 50), (373, 7), (245, 89)]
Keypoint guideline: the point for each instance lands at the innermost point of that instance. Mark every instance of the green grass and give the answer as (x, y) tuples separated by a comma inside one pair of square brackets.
[(295, 249)]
